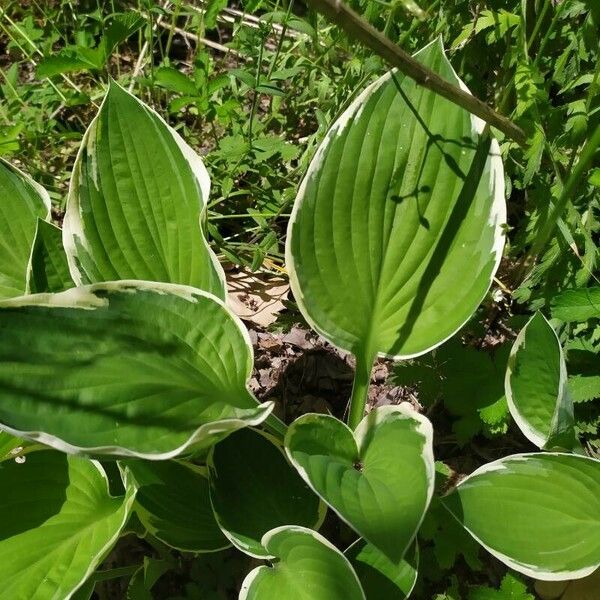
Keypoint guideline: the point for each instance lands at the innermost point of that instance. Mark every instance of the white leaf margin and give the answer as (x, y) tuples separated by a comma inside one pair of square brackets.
[(524, 568), (73, 225), (563, 398), (84, 298), (246, 587), (405, 411), (498, 213)]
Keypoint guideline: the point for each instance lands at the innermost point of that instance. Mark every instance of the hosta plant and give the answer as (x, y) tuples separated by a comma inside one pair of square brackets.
[(118, 346)]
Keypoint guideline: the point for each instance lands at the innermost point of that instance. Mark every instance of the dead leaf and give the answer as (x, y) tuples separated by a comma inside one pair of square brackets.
[(256, 297)]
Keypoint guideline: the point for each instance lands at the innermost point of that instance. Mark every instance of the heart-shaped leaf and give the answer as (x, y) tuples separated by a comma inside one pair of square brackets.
[(537, 513), (379, 480), (48, 267), (130, 368), (137, 197), (380, 578), (173, 503), (308, 566), (396, 232), (57, 522), (22, 202), (254, 489), (536, 387)]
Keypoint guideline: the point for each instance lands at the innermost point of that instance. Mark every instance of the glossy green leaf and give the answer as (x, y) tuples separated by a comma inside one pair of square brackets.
[(173, 503), (138, 195), (379, 480), (577, 305), (396, 232), (307, 566), (48, 268), (254, 489), (22, 201), (536, 386), (537, 513), (7, 444), (129, 368), (380, 578), (57, 522)]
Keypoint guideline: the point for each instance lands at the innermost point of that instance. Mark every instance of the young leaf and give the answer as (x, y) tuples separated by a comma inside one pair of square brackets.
[(137, 197), (307, 564), (548, 506), (254, 489), (380, 578), (173, 503), (48, 267), (130, 368), (396, 231), (22, 201), (536, 387), (57, 522), (378, 479)]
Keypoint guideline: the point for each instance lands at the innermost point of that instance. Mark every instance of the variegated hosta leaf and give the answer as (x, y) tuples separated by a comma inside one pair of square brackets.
[(48, 268), (536, 387), (379, 479), (138, 195), (129, 368), (22, 202), (254, 489), (380, 578), (57, 522), (307, 566), (173, 503), (537, 513), (396, 232)]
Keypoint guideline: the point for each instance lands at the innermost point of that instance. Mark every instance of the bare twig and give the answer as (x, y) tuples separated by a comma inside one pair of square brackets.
[(358, 28)]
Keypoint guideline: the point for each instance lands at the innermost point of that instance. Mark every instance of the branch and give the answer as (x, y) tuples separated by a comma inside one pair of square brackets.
[(357, 27)]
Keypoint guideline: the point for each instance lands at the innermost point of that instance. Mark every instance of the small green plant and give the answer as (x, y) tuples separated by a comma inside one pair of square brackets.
[(117, 344)]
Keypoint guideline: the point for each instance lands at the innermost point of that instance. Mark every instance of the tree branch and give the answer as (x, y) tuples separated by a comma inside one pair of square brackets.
[(357, 27)]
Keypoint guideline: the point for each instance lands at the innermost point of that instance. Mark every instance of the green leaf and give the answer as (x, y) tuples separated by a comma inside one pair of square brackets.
[(396, 232), (121, 27), (57, 522), (254, 489), (576, 305), (175, 81), (378, 479), (48, 268), (22, 201), (380, 578), (66, 61), (536, 387), (130, 368), (307, 566), (137, 197), (510, 589), (173, 504), (7, 444), (548, 507)]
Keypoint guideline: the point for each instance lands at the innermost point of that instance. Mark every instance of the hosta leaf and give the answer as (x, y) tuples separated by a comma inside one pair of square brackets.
[(378, 479), (396, 231), (308, 566), (254, 489), (22, 201), (536, 386), (48, 268), (173, 503), (576, 305), (137, 197), (130, 368), (57, 522), (548, 506), (380, 578)]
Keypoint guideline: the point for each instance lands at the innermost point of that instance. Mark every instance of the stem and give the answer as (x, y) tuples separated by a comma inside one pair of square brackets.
[(358, 28), (360, 389)]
